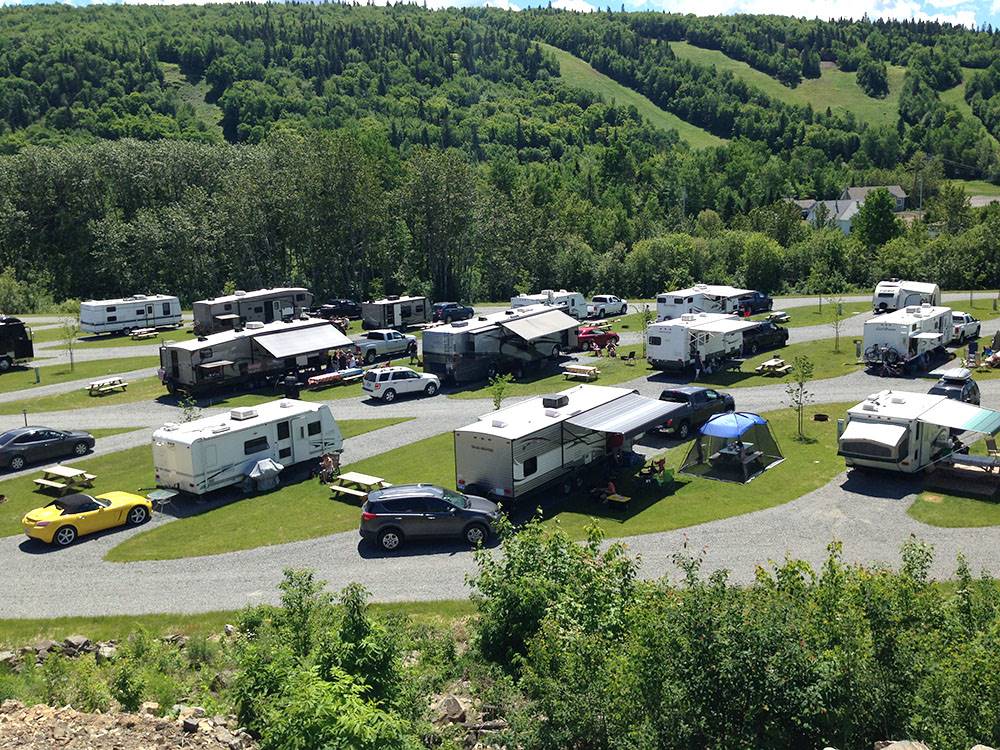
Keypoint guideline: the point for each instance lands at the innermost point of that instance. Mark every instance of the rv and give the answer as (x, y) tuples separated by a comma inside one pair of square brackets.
[(571, 303), (707, 298), (128, 313), (910, 432), (395, 312), (711, 337), (895, 294), (508, 341), (548, 441), (908, 336), (249, 356), (15, 343), (239, 308), (216, 452)]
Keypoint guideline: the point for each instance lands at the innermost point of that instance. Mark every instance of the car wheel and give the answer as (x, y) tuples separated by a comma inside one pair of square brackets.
[(491, 373), (369, 356), (64, 536), (754, 349), (556, 352), (475, 534), (138, 516), (389, 395), (431, 389), (5, 364), (80, 449), (624, 310), (683, 430), (390, 539), (16, 463), (447, 320), (600, 313)]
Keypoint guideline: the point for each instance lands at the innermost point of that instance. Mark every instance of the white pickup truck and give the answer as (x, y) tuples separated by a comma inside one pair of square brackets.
[(603, 305), (966, 327), (384, 343)]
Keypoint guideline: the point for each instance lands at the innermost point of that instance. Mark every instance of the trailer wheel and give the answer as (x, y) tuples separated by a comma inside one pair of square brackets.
[(5, 364)]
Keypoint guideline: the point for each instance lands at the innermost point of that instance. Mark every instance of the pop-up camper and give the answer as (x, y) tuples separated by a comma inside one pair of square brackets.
[(708, 298), (215, 452), (128, 313), (906, 337), (909, 432), (712, 337), (895, 294)]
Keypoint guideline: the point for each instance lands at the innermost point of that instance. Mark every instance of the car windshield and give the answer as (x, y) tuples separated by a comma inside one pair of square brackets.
[(455, 498)]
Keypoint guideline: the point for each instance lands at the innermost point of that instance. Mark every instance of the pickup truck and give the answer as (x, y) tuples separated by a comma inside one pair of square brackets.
[(755, 302), (966, 327), (764, 336), (384, 343), (695, 406), (603, 305)]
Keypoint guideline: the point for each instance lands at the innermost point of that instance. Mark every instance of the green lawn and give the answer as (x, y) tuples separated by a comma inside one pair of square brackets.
[(980, 187), (17, 380), (941, 509), (814, 315), (834, 88), (826, 364), (102, 432), (90, 341), (579, 74), (132, 471)]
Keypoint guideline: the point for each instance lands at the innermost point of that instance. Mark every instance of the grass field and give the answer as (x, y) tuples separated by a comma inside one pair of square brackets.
[(132, 471), (941, 509), (826, 363), (819, 314), (579, 74), (90, 341), (193, 93), (980, 187), (834, 88), (23, 379)]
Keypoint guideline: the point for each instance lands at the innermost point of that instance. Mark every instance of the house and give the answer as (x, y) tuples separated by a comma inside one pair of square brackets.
[(804, 205), (839, 213), (860, 193)]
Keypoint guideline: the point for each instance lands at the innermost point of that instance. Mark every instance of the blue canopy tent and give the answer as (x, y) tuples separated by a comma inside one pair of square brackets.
[(733, 447)]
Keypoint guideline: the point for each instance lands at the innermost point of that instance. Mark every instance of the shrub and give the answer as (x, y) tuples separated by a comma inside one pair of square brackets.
[(127, 684)]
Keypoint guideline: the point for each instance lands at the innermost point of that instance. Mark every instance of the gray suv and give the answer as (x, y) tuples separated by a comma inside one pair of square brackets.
[(422, 511)]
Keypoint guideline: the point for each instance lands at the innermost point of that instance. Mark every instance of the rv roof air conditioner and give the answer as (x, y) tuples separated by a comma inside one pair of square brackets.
[(499, 424), (253, 325), (239, 293), (286, 404), (553, 413), (689, 317), (171, 426), (556, 401), (460, 324), (392, 297), (242, 413), (897, 400), (220, 428), (869, 406)]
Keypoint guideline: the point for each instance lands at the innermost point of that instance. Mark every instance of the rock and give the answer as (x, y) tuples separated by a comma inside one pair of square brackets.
[(498, 725), (981, 747), (450, 711), (75, 644), (10, 705), (44, 648), (10, 660), (229, 629), (221, 680), (177, 639), (190, 724), (900, 745), (105, 653), (149, 708)]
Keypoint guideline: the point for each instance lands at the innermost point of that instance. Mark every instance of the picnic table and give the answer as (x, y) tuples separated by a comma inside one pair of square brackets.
[(138, 334), (107, 385), (775, 367), (64, 479), (618, 501), (581, 372), (356, 484), (778, 316), (339, 377), (744, 455)]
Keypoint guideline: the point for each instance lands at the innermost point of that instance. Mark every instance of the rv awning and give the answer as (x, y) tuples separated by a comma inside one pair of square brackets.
[(629, 415), (928, 335), (543, 324), (299, 341), (228, 316), (874, 432), (960, 416), (215, 365)]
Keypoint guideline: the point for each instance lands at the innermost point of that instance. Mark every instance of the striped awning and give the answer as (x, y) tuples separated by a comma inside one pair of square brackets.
[(961, 416)]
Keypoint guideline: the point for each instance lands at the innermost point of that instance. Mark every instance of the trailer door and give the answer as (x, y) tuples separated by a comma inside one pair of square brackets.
[(284, 444), (307, 434)]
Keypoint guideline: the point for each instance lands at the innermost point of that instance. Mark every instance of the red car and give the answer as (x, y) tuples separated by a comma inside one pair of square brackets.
[(588, 337)]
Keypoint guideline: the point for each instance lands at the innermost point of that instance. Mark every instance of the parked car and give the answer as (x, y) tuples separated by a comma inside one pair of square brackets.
[(967, 328), (384, 342), (64, 520), (755, 302), (695, 406), (447, 312), (338, 308), (603, 305), (386, 383), (764, 336), (394, 515), (25, 445), (957, 384), (588, 336)]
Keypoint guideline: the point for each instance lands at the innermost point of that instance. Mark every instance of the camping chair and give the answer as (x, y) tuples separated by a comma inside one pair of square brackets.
[(653, 468), (991, 447), (630, 359), (665, 478)]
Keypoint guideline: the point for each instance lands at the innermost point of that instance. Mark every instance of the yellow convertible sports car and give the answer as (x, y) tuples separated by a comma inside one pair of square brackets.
[(63, 520)]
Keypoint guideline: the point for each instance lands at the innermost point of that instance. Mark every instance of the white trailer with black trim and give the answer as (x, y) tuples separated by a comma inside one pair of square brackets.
[(711, 338), (125, 314), (571, 303), (235, 310), (215, 452), (550, 441), (395, 312), (707, 298), (895, 294), (907, 337)]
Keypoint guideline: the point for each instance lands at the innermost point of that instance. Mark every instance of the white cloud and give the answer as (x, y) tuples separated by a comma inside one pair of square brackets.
[(895, 9), (581, 6)]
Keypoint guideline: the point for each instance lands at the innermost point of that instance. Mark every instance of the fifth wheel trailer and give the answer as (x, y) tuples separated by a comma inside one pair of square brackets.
[(239, 308), (509, 341), (215, 452), (127, 313)]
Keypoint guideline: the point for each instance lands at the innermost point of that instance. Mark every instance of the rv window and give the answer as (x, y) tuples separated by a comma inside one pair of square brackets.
[(206, 353), (258, 309), (166, 308), (655, 340), (227, 307), (149, 309), (300, 297), (254, 446), (530, 466), (419, 307), (140, 312), (405, 310), (284, 431), (109, 309), (284, 453), (112, 318), (315, 428)]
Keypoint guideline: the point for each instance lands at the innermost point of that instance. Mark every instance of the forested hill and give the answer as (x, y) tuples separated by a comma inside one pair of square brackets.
[(361, 149)]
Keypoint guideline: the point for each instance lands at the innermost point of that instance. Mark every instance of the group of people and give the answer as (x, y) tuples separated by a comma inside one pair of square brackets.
[(345, 361), (611, 348)]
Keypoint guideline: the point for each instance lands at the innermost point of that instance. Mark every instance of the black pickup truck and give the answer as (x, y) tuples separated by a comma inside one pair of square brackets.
[(695, 406), (763, 336)]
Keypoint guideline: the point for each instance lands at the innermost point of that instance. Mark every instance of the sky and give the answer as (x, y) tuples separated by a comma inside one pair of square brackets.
[(964, 12)]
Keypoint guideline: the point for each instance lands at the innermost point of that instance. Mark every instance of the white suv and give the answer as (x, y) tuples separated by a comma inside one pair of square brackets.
[(388, 382)]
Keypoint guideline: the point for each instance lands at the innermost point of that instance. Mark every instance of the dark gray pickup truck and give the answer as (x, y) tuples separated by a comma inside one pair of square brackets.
[(695, 406)]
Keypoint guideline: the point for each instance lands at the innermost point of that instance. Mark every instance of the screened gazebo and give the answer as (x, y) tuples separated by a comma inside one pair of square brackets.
[(733, 447)]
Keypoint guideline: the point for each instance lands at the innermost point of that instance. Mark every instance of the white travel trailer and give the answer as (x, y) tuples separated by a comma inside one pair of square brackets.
[(128, 313), (549, 440), (895, 294), (709, 298), (712, 337), (571, 303), (509, 341), (215, 452), (908, 336), (395, 312), (910, 432), (239, 308)]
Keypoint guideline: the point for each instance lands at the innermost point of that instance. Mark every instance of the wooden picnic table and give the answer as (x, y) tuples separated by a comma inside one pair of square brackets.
[(107, 385), (581, 372), (339, 377), (618, 501), (356, 484), (138, 334), (65, 479), (773, 367), (778, 316)]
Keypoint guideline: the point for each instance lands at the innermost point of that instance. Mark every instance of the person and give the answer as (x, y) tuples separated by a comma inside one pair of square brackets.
[(601, 493), (342, 361), (612, 350), (697, 365)]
